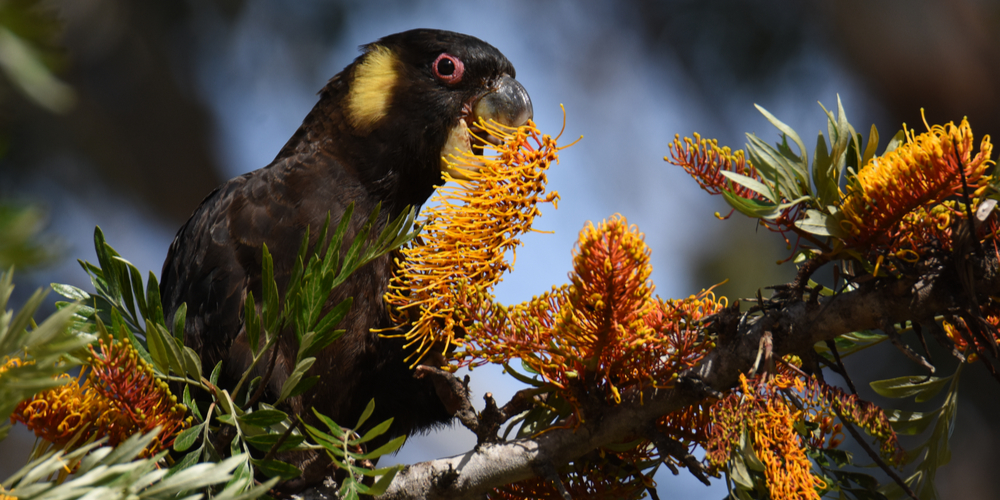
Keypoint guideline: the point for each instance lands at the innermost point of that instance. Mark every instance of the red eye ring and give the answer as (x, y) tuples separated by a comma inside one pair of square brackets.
[(448, 68)]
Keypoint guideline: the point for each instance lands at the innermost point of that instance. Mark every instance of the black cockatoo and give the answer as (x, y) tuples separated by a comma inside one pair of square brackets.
[(377, 135)]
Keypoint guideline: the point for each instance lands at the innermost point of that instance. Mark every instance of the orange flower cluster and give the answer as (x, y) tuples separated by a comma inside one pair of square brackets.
[(918, 175), (604, 330), (119, 397), (463, 242), (769, 419), (965, 339), (705, 161), (763, 410), (864, 414)]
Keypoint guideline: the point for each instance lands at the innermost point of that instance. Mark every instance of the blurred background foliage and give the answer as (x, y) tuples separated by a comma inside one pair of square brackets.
[(126, 114)]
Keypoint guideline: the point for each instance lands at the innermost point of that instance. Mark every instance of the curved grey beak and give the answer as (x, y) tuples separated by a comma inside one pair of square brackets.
[(508, 104)]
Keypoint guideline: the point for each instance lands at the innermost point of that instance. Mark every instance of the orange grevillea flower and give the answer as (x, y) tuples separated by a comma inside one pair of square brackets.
[(463, 242), (605, 329), (705, 161), (922, 172), (764, 411), (760, 412), (119, 396), (983, 340)]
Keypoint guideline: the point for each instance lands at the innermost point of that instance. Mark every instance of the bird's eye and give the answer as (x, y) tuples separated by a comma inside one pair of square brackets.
[(448, 68)]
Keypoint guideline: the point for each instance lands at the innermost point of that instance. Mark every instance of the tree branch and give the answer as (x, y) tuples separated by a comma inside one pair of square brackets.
[(795, 327)]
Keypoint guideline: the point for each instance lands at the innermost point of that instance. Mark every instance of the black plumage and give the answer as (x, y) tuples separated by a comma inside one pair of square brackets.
[(376, 135)]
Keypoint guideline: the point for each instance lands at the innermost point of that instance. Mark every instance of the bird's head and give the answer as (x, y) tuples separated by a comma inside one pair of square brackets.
[(411, 99)]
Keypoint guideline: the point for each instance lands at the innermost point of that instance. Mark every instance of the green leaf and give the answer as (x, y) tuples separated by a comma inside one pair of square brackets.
[(154, 304), (294, 377), (375, 432), (174, 352), (820, 224), (383, 482), (214, 377), (751, 208), (188, 460), (304, 385), (750, 183), (894, 143), (264, 442), (188, 437), (824, 174), (369, 409), (186, 397), (263, 418), (790, 133), (276, 468), (251, 322), (385, 449), (270, 293), (158, 350), (70, 292), (911, 422), (335, 428), (922, 387), (180, 315), (334, 316), (789, 179), (192, 363), (872, 145)]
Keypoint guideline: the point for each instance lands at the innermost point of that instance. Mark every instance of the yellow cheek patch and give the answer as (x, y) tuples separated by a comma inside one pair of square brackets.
[(371, 90)]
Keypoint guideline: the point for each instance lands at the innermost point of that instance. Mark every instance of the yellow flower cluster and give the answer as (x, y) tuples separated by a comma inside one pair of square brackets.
[(465, 238), (761, 412), (918, 175)]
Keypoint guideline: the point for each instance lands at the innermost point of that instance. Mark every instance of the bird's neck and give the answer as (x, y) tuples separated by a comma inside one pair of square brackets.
[(393, 165)]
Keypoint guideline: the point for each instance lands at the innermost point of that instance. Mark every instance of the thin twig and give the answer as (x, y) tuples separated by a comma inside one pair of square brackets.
[(873, 455), (263, 381), (840, 368)]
